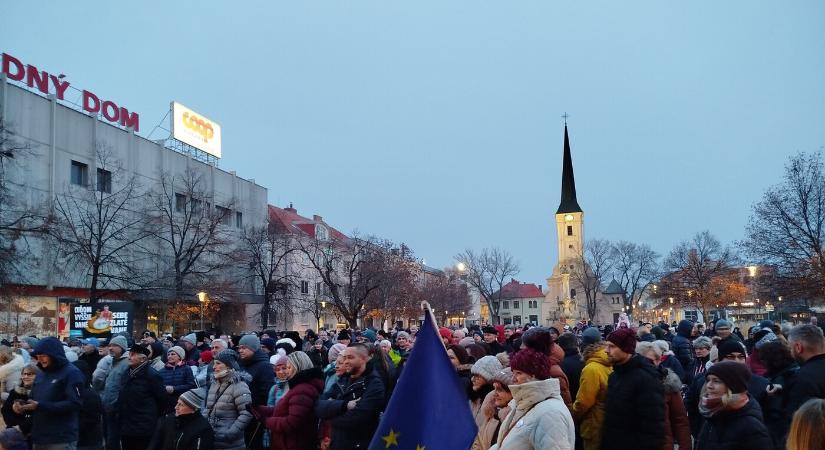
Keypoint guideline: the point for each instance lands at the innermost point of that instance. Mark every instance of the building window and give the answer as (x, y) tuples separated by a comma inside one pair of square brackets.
[(516, 320), (305, 287), (80, 173), (506, 304), (515, 304), (533, 304), (238, 219), (180, 203), (196, 206), (224, 214), (318, 291), (570, 246), (534, 319), (570, 230), (507, 321), (104, 181)]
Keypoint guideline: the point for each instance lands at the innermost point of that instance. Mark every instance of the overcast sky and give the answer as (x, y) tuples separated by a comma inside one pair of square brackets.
[(437, 123)]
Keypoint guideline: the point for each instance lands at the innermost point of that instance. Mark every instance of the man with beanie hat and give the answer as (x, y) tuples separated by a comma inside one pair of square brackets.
[(109, 377), (635, 402), (141, 401), (186, 428), (255, 362), (190, 345), (28, 343)]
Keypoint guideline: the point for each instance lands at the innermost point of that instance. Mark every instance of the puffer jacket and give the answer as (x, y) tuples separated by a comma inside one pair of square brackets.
[(263, 378), (588, 409), (492, 421), (682, 347), (57, 393), (292, 422), (10, 375), (226, 410), (634, 386), (677, 426), (114, 381), (741, 429), (180, 378), (538, 419)]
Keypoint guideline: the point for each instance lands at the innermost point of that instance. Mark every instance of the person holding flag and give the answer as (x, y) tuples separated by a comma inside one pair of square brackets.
[(429, 392)]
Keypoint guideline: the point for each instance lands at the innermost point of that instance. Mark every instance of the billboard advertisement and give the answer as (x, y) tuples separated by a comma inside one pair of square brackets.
[(196, 130), (101, 320)]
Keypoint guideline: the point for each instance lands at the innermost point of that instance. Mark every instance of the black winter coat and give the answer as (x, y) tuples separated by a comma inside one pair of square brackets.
[(186, 432), (572, 366), (24, 421), (91, 418), (742, 429), (809, 383), (141, 402), (353, 429), (634, 408), (756, 391), (262, 376), (682, 347), (777, 421)]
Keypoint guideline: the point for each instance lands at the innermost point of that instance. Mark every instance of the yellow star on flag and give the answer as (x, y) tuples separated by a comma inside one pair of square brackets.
[(391, 439), (419, 447)]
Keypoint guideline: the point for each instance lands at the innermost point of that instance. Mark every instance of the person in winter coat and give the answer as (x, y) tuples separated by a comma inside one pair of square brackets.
[(10, 366), (13, 417), (55, 397), (541, 340), (495, 408), (318, 354), (90, 353), (701, 350), (538, 418), (482, 372), (186, 429), (463, 363), (201, 371), (807, 431), (291, 422), (683, 348), (808, 348), (733, 420), (227, 402), (157, 355), (141, 401), (572, 363), (677, 426), (781, 370), (177, 377), (353, 406), (91, 412), (189, 344), (588, 409), (255, 362), (669, 361), (330, 371), (634, 386), (109, 378)]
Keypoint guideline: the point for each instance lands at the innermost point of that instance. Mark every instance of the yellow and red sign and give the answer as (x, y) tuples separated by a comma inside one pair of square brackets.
[(196, 130)]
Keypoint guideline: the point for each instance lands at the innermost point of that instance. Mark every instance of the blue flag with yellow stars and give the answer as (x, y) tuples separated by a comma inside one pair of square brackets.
[(428, 409)]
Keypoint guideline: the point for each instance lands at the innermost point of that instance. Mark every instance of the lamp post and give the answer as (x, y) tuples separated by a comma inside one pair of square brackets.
[(202, 298)]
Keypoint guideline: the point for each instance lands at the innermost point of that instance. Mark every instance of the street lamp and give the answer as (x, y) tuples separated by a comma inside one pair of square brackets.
[(460, 266), (202, 298)]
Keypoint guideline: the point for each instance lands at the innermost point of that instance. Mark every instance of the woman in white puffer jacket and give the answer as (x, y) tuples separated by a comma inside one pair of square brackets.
[(10, 366), (538, 418)]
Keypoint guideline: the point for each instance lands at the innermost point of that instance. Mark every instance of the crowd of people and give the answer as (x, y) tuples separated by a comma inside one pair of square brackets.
[(642, 387)]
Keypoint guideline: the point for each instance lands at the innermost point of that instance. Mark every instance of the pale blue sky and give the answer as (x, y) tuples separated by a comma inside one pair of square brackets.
[(437, 122)]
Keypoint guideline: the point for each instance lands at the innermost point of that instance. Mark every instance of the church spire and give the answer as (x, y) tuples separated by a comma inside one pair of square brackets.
[(568, 204)]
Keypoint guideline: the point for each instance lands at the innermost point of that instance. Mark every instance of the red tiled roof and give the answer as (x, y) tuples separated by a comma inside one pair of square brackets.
[(515, 289), (289, 220)]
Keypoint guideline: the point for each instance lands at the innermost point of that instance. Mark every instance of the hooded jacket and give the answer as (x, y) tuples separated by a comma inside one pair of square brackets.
[(677, 426), (263, 378), (635, 406), (538, 419), (682, 347), (292, 420), (588, 409), (226, 409), (741, 429), (57, 393)]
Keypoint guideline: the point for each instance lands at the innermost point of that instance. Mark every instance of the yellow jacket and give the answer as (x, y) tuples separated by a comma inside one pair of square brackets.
[(588, 409)]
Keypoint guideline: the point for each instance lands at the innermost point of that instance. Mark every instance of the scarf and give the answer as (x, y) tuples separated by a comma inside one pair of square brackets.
[(134, 371), (711, 406)]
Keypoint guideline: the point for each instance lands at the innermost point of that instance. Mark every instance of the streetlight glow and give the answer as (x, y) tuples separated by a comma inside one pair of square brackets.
[(461, 267)]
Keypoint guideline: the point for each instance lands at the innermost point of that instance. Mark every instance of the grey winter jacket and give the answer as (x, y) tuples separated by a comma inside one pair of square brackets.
[(226, 410), (114, 382)]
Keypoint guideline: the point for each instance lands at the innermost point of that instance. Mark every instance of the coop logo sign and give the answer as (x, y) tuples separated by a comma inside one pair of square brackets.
[(48, 83), (196, 130)]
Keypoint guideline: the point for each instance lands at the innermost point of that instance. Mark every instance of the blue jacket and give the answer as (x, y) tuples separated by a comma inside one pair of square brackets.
[(57, 393), (180, 378), (262, 376), (683, 347)]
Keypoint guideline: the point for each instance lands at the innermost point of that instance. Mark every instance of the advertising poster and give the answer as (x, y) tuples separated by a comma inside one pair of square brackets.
[(25, 316), (101, 320)]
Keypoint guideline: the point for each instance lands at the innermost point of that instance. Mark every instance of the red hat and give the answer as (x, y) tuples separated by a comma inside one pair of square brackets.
[(445, 333), (532, 363), (206, 356), (625, 339)]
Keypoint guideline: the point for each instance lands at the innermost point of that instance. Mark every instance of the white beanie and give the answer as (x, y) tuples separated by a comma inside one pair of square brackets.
[(487, 367)]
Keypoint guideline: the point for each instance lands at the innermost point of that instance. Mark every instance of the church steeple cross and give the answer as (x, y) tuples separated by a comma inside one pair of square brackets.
[(565, 116)]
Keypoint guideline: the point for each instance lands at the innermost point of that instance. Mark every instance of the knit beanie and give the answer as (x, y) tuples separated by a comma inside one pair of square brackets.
[(268, 343), (300, 361), (722, 323), (763, 336), (532, 363), (229, 358), (335, 351), (31, 340), (179, 351), (343, 334), (206, 356), (194, 398), (251, 341), (191, 338), (402, 334), (625, 339), (503, 358), (504, 377), (489, 330), (120, 341), (591, 336), (464, 342), (370, 335), (486, 367), (538, 339), (277, 359), (735, 375), (728, 346)]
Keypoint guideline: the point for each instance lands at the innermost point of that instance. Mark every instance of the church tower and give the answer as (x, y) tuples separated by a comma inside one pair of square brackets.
[(561, 303)]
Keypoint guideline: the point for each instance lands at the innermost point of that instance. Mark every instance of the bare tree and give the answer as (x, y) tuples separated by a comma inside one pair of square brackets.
[(350, 267), (590, 269), (695, 265), (397, 293), (787, 228), (445, 293), (636, 267), (488, 272), (266, 251)]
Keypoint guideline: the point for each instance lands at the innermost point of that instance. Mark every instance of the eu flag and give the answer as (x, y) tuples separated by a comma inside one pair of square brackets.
[(428, 410)]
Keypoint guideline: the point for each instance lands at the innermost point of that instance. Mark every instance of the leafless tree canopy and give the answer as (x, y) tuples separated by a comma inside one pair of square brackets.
[(635, 267), (786, 228), (488, 271), (446, 294), (590, 268), (100, 228)]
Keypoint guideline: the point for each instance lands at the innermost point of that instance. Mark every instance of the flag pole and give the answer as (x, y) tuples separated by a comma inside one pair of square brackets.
[(429, 311)]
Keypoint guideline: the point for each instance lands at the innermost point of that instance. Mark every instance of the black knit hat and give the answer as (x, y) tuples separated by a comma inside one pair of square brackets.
[(229, 358), (728, 346), (735, 375)]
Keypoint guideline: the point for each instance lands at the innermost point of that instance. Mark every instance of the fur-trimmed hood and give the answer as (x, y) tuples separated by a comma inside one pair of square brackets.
[(671, 382), (306, 376)]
